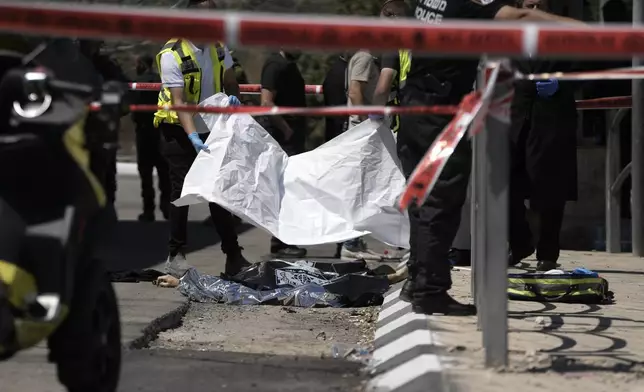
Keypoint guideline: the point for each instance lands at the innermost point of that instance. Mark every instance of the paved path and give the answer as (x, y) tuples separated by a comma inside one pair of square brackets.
[(552, 346)]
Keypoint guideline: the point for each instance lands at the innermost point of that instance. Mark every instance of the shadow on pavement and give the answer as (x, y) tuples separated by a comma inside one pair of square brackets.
[(133, 245), (565, 358)]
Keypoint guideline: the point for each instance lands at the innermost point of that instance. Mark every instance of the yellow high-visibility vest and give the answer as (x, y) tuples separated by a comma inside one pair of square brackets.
[(192, 76), (404, 57)]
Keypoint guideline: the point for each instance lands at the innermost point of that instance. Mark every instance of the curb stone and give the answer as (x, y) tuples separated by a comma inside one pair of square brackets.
[(170, 320), (407, 353)]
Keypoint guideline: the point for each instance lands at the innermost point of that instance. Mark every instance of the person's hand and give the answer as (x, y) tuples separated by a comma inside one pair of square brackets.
[(197, 143), (547, 88), (233, 101)]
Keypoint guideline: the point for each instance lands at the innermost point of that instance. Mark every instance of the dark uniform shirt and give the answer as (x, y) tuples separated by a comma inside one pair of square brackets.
[(145, 119), (283, 77), (457, 75)]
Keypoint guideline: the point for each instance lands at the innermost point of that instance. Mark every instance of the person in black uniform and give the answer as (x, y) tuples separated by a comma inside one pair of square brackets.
[(442, 81), (109, 70), (283, 85), (148, 148), (543, 157), (334, 92)]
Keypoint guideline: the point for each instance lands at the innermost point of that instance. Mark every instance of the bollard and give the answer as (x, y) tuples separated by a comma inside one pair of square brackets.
[(491, 158)]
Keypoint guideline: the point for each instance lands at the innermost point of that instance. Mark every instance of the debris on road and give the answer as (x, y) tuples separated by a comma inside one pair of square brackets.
[(299, 283)]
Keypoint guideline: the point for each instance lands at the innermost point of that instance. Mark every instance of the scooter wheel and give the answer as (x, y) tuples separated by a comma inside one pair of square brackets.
[(98, 366)]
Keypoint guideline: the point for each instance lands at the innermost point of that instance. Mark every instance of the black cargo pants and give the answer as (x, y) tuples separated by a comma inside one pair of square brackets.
[(180, 154), (433, 225)]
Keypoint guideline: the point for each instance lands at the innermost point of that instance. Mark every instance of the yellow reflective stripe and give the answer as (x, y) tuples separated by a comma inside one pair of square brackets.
[(74, 141), (20, 283), (554, 281), (22, 286)]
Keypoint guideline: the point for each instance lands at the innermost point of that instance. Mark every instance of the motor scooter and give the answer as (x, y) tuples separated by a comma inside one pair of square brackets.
[(52, 207)]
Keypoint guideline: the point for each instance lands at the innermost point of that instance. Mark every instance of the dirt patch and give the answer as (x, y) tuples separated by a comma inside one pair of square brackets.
[(275, 330)]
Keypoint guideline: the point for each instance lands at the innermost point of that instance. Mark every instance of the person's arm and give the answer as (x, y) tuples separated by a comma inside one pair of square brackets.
[(231, 87), (390, 69), (358, 77), (172, 78), (532, 15), (269, 81)]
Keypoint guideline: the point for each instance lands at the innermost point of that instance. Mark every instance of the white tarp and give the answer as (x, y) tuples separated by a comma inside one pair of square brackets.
[(343, 189)]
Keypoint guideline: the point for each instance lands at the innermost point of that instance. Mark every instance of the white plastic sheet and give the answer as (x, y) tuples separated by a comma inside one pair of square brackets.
[(344, 189)]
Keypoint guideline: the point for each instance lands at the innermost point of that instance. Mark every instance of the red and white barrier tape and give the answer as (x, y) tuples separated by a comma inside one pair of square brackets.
[(585, 104), (294, 111), (315, 32), (472, 111), (243, 88)]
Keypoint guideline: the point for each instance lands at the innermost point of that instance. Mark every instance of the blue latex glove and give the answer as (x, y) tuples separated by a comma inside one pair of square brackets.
[(233, 101), (584, 271), (376, 117), (197, 143), (547, 88)]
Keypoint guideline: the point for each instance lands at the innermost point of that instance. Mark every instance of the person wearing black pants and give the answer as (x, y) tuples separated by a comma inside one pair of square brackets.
[(442, 81), (180, 154), (148, 147), (543, 151), (191, 74)]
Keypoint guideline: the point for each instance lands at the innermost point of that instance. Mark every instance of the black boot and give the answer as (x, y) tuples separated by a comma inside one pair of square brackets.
[(147, 216), (407, 291), (442, 304), (235, 262), (165, 209), (517, 256)]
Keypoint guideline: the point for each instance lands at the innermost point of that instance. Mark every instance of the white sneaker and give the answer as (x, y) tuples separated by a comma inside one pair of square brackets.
[(176, 266), (359, 252)]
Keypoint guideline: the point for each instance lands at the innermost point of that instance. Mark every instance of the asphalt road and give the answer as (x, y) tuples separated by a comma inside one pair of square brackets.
[(217, 347)]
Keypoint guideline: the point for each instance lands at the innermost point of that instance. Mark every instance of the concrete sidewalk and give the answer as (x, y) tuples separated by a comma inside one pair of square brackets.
[(552, 346)]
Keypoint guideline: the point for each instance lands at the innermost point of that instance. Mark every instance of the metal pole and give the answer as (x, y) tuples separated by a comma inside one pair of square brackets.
[(476, 219), (637, 151), (613, 214), (493, 162)]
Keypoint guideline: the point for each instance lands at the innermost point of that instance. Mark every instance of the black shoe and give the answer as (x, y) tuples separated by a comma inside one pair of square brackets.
[(406, 291), (460, 257), (235, 263), (514, 259), (291, 251), (442, 304), (543, 265), (147, 216)]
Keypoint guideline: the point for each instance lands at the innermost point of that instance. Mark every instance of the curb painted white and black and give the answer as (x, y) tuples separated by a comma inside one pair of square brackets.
[(406, 356)]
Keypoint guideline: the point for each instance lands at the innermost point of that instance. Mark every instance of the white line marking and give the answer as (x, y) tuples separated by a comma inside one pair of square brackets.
[(408, 371), (399, 322), (391, 296), (393, 309), (400, 345)]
